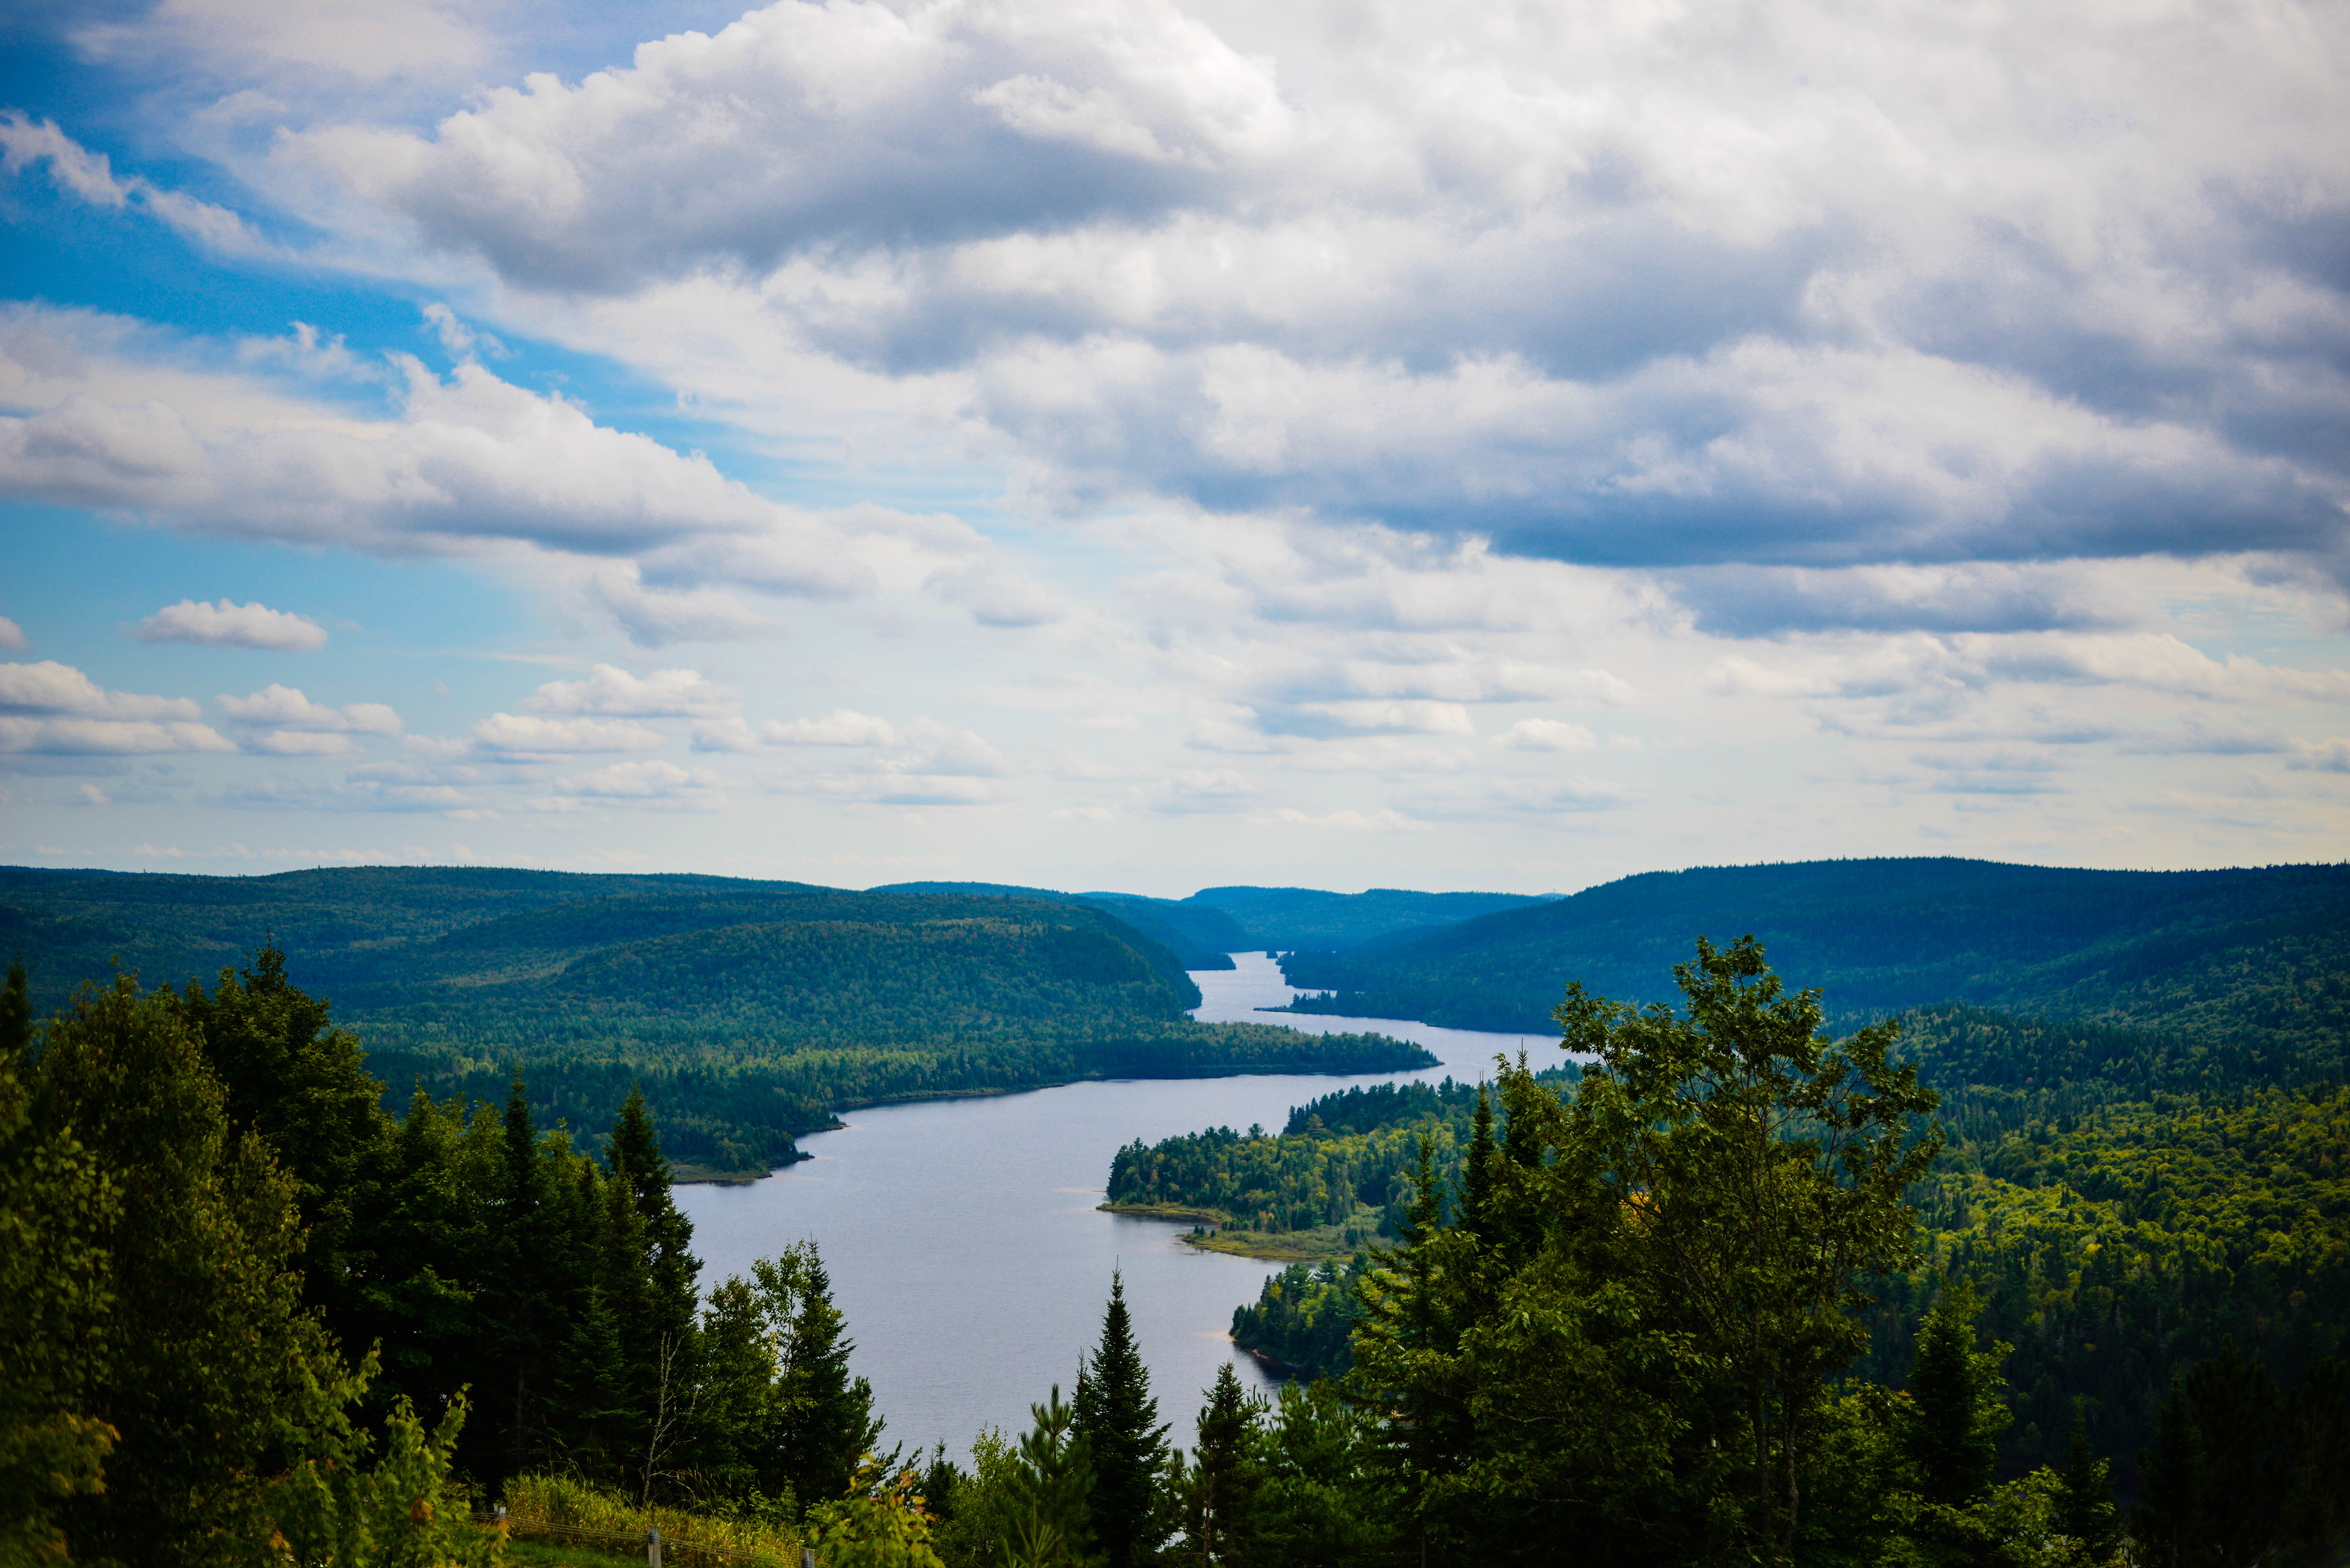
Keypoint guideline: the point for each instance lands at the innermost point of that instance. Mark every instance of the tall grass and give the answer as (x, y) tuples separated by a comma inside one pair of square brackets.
[(563, 1502)]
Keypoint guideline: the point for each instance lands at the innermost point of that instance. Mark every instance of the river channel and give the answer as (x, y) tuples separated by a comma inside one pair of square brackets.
[(966, 1248)]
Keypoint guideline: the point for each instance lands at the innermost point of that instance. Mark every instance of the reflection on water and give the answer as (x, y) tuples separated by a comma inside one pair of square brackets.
[(966, 1248)]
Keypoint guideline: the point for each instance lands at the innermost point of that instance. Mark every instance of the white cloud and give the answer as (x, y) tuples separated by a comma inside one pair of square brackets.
[(530, 734), (279, 720), (50, 688), (1546, 735), (2322, 756), (11, 635), (231, 625), (24, 141), (54, 708), (610, 691), (841, 727)]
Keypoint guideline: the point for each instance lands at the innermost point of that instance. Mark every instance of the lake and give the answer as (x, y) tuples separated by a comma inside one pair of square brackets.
[(966, 1248)]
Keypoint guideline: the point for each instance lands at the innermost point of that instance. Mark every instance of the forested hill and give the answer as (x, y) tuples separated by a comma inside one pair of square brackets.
[(1201, 936), (2210, 953), (750, 1010), (1295, 918)]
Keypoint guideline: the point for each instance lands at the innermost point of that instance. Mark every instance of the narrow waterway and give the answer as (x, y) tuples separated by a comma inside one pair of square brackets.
[(964, 1243)]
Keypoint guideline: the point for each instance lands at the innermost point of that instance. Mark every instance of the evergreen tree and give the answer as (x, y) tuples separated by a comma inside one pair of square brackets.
[(825, 1422), (635, 1146), (215, 1378), (589, 1408), (2086, 1515), (1052, 1487), (56, 1210), (1954, 1389), (2167, 1525), (1477, 1171), (1220, 1524), (1118, 1419), (287, 1075)]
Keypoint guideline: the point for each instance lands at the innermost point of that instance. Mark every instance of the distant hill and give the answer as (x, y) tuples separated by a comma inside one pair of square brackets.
[(1287, 919), (1200, 936), (2247, 953), (751, 1011)]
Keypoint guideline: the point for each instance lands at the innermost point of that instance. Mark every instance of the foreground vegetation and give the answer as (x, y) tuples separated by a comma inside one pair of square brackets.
[(744, 1013)]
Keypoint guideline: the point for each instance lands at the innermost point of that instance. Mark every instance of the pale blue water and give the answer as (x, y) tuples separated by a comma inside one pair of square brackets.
[(966, 1248)]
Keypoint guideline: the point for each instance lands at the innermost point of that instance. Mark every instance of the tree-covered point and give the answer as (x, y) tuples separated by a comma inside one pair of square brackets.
[(1341, 1153), (746, 1012), (2257, 956)]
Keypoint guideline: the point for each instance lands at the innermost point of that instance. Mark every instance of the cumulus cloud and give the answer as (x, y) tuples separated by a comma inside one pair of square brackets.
[(610, 691), (54, 708), (11, 635), (534, 735), (1680, 298), (281, 720), (231, 625)]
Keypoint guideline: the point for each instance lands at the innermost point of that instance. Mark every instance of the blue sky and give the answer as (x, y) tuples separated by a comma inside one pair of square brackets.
[(1151, 446)]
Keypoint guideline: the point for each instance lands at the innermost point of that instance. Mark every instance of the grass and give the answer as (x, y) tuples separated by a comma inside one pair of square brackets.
[(543, 1554), (1315, 1246)]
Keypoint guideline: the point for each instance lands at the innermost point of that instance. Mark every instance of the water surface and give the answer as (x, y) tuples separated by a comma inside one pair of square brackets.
[(964, 1243)]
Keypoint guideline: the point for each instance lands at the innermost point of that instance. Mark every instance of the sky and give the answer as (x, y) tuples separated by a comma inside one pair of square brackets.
[(1133, 445)]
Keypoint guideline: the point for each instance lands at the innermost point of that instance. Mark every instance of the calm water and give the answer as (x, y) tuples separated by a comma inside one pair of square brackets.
[(966, 1247)]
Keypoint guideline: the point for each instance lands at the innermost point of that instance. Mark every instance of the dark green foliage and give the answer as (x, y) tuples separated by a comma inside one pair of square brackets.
[(1118, 1421), (2255, 957), (212, 1375), (1304, 1318), (2087, 1516), (1339, 1155), (1954, 1386), (744, 1013), (1049, 1506), (1221, 1489), (824, 1413), (1289, 919), (57, 1209)]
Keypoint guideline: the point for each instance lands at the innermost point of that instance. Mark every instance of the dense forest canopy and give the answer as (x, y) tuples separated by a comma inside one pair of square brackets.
[(747, 1013), (2216, 954), (1291, 918)]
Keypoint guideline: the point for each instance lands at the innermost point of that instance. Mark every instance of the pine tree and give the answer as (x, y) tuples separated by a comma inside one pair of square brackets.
[(2087, 1514), (2167, 1525), (1052, 1487), (1955, 1390), (636, 1146), (1477, 1171), (1119, 1421), (826, 1422), (589, 1404), (1220, 1492)]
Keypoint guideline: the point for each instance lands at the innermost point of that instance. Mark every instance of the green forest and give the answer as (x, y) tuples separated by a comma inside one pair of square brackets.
[(2255, 958), (744, 1013), (1732, 1283)]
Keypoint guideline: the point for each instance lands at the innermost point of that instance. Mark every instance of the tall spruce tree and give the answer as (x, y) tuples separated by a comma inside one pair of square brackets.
[(1219, 1502), (1954, 1388), (1119, 1422), (825, 1422), (1052, 1487), (2086, 1515)]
